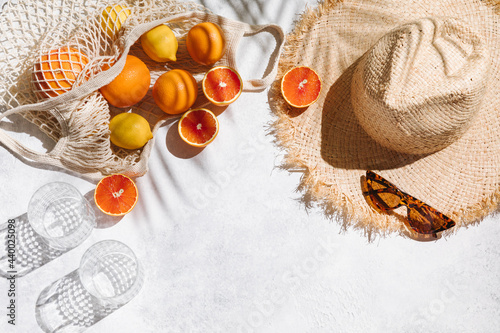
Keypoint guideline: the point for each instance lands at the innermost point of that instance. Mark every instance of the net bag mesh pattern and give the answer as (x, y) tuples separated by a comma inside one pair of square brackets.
[(83, 42)]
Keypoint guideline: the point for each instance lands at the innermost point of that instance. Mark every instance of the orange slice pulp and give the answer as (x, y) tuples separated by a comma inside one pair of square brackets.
[(198, 127), (301, 86), (116, 195), (222, 85)]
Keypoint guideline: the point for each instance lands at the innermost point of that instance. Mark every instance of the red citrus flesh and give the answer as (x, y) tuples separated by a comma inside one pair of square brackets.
[(301, 86), (222, 85), (116, 195), (198, 127)]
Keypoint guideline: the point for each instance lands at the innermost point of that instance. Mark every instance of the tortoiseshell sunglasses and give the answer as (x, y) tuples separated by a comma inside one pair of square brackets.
[(384, 196)]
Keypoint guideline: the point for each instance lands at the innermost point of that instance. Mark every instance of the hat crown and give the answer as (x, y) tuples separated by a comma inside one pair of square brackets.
[(419, 87)]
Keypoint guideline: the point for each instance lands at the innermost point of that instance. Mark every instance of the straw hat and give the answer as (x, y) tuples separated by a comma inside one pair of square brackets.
[(410, 91)]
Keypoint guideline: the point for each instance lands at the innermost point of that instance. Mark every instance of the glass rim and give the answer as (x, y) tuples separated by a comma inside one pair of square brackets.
[(43, 232), (138, 279)]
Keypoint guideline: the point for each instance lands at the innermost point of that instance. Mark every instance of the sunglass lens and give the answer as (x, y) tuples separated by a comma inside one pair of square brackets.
[(426, 220), (390, 200), (419, 223), (368, 197), (379, 195)]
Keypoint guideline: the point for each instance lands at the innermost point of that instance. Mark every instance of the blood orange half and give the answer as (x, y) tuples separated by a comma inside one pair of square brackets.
[(222, 85), (301, 86), (116, 195), (198, 127)]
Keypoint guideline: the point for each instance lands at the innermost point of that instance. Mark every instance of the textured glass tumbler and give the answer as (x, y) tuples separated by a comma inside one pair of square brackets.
[(108, 277), (59, 218), (60, 214)]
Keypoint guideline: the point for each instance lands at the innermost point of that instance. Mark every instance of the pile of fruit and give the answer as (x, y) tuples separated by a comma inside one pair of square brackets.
[(174, 92)]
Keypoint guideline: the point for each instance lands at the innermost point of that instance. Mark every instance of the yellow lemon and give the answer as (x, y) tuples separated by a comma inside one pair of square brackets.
[(130, 131), (160, 44), (112, 19)]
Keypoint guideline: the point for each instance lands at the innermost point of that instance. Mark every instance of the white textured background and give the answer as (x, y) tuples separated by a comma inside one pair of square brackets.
[(227, 245)]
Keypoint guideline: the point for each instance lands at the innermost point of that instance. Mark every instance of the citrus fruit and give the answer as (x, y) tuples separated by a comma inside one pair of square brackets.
[(56, 72), (301, 86), (129, 130), (175, 91), (112, 19), (116, 195), (205, 43), (222, 85), (160, 44), (130, 86), (198, 127)]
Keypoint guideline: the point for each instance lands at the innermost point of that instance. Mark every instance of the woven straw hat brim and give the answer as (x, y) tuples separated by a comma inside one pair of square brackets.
[(328, 144)]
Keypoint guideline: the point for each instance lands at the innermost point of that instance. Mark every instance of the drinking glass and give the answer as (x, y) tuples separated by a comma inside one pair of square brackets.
[(60, 214), (58, 219), (109, 276)]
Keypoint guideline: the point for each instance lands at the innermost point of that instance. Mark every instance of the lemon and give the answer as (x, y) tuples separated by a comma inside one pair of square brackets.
[(112, 19), (160, 44), (130, 131)]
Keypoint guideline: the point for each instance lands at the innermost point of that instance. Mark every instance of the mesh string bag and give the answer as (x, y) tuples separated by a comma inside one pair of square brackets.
[(86, 43)]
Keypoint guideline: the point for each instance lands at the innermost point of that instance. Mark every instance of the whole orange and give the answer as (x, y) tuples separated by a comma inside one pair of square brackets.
[(205, 43), (130, 86), (56, 72), (175, 91)]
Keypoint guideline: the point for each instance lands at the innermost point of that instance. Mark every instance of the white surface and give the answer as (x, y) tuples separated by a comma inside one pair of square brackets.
[(227, 246)]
